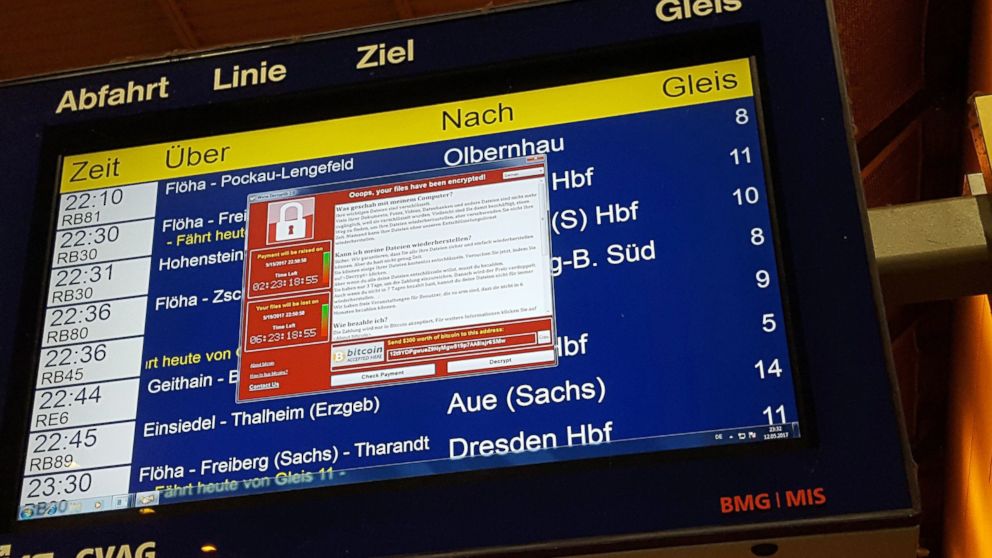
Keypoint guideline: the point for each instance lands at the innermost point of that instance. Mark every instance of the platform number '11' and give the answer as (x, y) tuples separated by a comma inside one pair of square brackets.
[(775, 416)]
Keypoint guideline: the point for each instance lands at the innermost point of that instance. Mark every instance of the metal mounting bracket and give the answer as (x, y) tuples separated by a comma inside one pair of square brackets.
[(935, 250)]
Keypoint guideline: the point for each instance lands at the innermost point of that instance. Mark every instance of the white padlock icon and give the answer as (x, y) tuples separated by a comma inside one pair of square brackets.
[(291, 229)]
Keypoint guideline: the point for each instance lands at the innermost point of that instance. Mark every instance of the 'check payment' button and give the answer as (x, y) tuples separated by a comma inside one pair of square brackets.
[(392, 374), (501, 361)]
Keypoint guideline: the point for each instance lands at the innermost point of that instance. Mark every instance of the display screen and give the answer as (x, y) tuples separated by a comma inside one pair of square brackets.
[(580, 271)]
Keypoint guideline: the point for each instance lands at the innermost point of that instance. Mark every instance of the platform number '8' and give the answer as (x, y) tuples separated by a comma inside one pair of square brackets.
[(743, 117)]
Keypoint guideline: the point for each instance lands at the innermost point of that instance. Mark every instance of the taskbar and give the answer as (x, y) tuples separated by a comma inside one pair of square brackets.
[(38, 510)]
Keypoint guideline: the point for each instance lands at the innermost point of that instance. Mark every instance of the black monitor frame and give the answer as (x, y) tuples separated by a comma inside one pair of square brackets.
[(834, 315)]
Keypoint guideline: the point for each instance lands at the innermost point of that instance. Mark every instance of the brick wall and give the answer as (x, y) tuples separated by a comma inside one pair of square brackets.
[(906, 65), (968, 517)]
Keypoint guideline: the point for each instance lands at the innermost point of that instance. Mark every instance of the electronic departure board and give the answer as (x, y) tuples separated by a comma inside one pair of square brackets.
[(190, 343), (607, 285)]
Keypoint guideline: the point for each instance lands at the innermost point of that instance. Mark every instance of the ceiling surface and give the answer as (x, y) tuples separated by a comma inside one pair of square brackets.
[(45, 36)]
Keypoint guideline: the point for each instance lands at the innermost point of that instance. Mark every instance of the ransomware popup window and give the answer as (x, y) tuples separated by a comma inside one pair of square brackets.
[(431, 276)]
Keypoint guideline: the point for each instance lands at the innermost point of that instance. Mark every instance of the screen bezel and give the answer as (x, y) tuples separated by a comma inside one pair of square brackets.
[(848, 362), (525, 75)]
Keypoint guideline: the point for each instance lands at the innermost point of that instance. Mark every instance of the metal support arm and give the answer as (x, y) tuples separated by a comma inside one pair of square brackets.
[(935, 250)]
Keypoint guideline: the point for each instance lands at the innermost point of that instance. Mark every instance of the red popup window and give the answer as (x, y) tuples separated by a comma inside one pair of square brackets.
[(439, 275)]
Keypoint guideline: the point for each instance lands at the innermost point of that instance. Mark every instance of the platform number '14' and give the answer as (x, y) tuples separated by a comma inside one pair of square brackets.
[(766, 370)]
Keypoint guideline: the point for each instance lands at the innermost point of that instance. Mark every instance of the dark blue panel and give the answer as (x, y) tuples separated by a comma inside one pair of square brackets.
[(852, 443)]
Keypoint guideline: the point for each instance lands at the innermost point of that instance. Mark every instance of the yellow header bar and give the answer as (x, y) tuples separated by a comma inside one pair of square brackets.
[(463, 119)]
